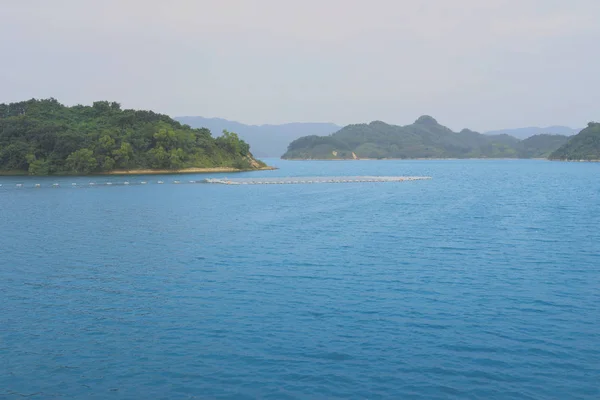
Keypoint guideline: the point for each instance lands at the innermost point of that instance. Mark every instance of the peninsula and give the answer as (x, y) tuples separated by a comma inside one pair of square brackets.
[(44, 137), (425, 138)]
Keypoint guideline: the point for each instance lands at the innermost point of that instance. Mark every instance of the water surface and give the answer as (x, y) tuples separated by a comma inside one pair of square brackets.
[(482, 283)]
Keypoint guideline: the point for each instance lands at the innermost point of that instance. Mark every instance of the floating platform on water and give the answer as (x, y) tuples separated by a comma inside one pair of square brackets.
[(313, 179), (233, 181)]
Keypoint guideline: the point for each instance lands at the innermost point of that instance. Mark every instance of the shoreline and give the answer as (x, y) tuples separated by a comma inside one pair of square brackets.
[(151, 171), (182, 171), (410, 159), (558, 159), (437, 159)]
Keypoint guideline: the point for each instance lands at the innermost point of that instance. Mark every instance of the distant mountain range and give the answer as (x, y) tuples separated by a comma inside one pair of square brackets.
[(273, 140), (425, 138), (524, 133), (264, 140)]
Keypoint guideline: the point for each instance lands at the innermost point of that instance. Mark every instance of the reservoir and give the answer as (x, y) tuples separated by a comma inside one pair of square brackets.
[(480, 283)]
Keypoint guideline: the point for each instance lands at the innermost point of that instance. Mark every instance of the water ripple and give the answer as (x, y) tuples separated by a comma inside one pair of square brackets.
[(482, 283)]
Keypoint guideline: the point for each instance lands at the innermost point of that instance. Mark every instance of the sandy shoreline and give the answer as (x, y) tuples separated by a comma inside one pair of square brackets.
[(181, 171), (153, 171)]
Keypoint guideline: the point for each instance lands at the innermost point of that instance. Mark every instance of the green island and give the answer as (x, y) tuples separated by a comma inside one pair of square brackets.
[(585, 146), (425, 138), (44, 137)]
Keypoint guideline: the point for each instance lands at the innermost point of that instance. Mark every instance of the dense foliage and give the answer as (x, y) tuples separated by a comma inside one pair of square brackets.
[(423, 139), (44, 137), (583, 146)]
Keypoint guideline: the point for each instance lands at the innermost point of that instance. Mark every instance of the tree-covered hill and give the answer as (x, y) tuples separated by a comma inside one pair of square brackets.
[(540, 146), (425, 138), (583, 146), (43, 137)]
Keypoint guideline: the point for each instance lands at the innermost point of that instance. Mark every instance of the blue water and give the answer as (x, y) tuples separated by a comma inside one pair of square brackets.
[(482, 283)]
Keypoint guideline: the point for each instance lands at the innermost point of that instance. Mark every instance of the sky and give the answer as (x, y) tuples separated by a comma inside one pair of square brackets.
[(474, 64)]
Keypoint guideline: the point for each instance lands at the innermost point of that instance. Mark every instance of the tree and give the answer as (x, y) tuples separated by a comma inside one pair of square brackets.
[(106, 143), (166, 138), (37, 167), (177, 159), (13, 156), (82, 161), (232, 142), (108, 164), (123, 155), (159, 158), (102, 106)]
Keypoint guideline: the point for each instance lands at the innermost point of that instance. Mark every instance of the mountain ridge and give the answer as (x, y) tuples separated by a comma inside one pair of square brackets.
[(526, 132), (271, 140), (425, 138)]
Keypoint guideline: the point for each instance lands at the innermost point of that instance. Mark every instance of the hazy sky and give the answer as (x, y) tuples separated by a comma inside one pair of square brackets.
[(482, 64)]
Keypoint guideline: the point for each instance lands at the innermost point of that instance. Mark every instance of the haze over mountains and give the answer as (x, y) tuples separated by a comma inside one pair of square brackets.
[(264, 140), (524, 133), (273, 140)]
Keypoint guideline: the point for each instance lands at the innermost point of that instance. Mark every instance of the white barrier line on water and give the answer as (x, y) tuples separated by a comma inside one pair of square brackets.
[(251, 181), (314, 180)]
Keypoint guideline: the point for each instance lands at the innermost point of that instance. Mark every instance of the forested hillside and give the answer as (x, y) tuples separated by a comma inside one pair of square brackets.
[(43, 137), (540, 146), (425, 138), (583, 146)]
